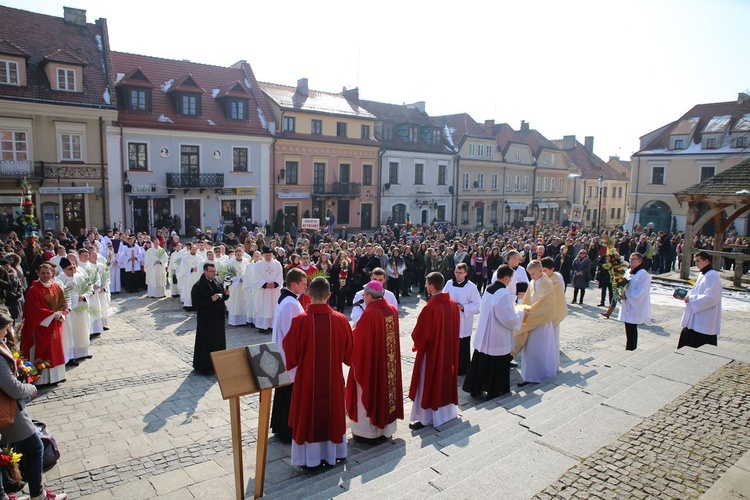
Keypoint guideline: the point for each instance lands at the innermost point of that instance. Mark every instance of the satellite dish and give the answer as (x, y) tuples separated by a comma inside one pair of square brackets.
[(450, 190), (475, 184), (387, 185)]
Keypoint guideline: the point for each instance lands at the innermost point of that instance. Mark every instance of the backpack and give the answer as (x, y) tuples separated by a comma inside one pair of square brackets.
[(51, 453)]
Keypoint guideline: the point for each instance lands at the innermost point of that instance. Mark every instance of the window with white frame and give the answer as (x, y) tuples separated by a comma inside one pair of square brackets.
[(490, 151), (509, 183), (538, 184), (472, 149), (495, 182), (546, 158), (66, 79), (546, 183), (9, 72), (393, 172), (239, 160), (137, 156), (552, 160), (480, 181), (707, 172), (480, 150), (559, 184), (465, 181), (518, 183), (15, 146), (526, 183), (71, 139), (442, 174), (518, 154)]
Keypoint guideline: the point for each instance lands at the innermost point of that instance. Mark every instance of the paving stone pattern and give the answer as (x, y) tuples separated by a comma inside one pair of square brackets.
[(679, 452)]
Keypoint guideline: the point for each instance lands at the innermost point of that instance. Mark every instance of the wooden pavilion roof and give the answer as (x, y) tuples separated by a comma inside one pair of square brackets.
[(730, 186)]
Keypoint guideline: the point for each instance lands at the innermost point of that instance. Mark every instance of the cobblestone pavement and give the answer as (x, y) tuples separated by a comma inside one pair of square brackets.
[(135, 422), (679, 452)]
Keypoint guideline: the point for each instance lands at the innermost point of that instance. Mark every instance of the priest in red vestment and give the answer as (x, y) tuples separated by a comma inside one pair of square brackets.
[(317, 344), (434, 382), (374, 396), (42, 337)]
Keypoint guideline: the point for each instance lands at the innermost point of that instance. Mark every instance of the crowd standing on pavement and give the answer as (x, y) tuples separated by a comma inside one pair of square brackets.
[(292, 283)]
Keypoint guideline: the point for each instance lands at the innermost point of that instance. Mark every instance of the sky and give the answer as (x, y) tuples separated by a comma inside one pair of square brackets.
[(614, 69)]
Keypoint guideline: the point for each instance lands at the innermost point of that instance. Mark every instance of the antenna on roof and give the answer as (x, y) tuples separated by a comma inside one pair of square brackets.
[(359, 47)]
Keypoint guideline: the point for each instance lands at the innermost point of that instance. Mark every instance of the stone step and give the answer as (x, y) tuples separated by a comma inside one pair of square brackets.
[(557, 415), (521, 469), (654, 356)]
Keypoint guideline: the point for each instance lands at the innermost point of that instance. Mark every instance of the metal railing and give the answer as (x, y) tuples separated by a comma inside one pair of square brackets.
[(18, 169), (186, 181), (338, 189)]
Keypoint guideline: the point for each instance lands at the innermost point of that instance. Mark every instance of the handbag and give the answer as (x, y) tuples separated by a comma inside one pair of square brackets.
[(51, 453), (8, 407)]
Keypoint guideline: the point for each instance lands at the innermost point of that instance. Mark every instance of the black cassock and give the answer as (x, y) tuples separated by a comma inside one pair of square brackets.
[(210, 333)]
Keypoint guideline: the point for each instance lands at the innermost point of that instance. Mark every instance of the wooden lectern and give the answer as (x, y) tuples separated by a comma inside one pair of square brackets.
[(236, 378)]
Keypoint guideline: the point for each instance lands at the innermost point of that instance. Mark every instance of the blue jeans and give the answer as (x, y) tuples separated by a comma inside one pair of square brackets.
[(32, 449)]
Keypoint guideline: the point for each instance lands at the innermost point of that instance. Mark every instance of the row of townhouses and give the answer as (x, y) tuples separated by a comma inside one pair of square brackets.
[(108, 138)]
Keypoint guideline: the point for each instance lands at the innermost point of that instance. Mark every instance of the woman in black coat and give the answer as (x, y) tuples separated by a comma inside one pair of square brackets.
[(564, 265), (581, 270), (210, 334)]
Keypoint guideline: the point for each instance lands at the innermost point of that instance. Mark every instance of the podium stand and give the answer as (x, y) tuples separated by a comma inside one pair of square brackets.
[(236, 378)]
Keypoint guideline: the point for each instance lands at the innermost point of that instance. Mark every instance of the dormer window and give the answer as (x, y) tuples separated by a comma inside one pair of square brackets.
[(189, 105), (435, 136), (678, 144), (9, 72), (238, 109), (139, 100), (741, 142), (711, 143), (66, 79)]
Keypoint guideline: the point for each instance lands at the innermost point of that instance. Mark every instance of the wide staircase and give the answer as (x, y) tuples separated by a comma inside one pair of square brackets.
[(515, 446)]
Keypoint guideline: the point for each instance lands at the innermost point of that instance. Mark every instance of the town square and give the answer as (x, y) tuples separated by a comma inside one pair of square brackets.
[(246, 254)]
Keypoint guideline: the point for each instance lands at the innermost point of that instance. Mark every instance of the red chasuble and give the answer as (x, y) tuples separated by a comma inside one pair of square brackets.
[(47, 339), (436, 342), (318, 342), (376, 366)]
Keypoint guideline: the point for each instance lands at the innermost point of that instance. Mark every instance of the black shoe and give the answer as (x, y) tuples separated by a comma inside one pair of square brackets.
[(72, 363), (600, 305), (415, 426), (106, 328), (522, 384), (476, 394), (513, 364), (94, 335), (573, 301), (369, 441)]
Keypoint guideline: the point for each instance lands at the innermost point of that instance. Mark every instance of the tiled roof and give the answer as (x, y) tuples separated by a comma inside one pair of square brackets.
[(167, 74), (397, 114), (315, 101), (535, 140), (505, 136), (464, 126), (39, 36), (734, 181), (135, 78), (588, 165), (11, 49), (700, 118)]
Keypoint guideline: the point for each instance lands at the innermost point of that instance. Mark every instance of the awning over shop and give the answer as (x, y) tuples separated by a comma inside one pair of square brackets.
[(548, 205), (517, 205)]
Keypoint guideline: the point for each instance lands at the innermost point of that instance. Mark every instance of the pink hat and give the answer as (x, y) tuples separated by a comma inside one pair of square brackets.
[(375, 285)]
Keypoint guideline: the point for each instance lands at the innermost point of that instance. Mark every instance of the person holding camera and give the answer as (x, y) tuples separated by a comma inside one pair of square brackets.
[(210, 334)]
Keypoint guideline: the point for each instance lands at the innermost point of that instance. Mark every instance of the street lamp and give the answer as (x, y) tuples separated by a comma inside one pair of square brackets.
[(599, 213)]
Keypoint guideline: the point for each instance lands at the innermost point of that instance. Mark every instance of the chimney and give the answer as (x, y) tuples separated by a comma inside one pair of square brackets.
[(74, 16), (614, 158), (569, 142), (302, 86), (489, 126), (742, 97), (524, 126), (351, 95), (589, 144), (419, 106)]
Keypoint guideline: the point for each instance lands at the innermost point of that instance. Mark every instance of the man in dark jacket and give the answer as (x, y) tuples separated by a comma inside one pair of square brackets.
[(208, 299)]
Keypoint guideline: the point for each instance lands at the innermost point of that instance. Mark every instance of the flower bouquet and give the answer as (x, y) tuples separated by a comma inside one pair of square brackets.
[(614, 264), (9, 460), (29, 372)]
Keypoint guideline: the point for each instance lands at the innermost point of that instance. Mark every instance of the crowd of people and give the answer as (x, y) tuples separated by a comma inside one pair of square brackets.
[(289, 286)]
